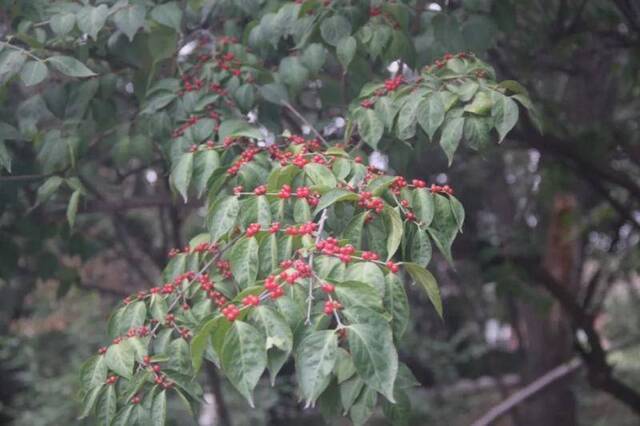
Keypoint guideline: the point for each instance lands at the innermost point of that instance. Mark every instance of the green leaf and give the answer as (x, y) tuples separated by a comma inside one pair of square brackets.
[(334, 196), (180, 356), (129, 19), (93, 372), (275, 93), (480, 105), (458, 211), (430, 113), (72, 208), (428, 282), (292, 71), (423, 205), (395, 229), (370, 127), (320, 175), (244, 261), (353, 230), (70, 66), (477, 131), (334, 29), (279, 341), (397, 304), (5, 156), (168, 14), (374, 355), (315, 359), (158, 101), (182, 173), (62, 23), (263, 211), (238, 128), (420, 247), (346, 50), (407, 118), (202, 338), (354, 293), (33, 72), (91, 19), (159, 409), (314, 57), (444, 227), (124, 416), (368, 273), (244, 358), (301, 211), (205, 163), (349, 391), (222, 217), (451, 137), (505, 114), (89, 401), (387, 110), (107, 404), (120, 358), (48, 188), (400, 412), (11, 62), (363, 407), (344, 366)]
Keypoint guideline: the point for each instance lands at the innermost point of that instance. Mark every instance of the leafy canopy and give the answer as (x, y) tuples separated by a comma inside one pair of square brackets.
[(306, 249)]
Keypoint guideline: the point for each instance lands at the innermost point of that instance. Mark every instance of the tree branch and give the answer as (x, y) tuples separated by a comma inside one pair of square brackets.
[(527, 392)]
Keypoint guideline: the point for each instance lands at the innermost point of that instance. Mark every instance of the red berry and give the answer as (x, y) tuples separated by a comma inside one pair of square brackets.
[(393, 267), (328, 288)]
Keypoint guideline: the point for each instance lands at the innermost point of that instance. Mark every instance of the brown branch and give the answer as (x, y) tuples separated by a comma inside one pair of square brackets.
[(527, 392), (594, 357)]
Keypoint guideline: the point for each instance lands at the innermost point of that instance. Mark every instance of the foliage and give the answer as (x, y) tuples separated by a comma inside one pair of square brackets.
[(307, 249)]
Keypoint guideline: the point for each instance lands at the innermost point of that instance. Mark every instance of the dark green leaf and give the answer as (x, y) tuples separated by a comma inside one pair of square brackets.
[(33, 72), (374, 355), (129, 19), (430, 113), (451, 136), (222, 217), (428, 282), (334, 29), (315, 359), (244, 261), (244, 358), (70, 66)]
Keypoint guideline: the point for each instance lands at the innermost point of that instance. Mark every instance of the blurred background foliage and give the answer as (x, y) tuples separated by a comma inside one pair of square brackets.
[(548, 259)]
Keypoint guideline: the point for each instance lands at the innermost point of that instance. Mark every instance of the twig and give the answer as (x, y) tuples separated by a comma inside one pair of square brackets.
[(528, 391), (305, 121), (321, 222)]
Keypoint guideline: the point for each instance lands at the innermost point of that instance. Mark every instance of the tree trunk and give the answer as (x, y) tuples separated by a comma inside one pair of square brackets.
[(547, 333)]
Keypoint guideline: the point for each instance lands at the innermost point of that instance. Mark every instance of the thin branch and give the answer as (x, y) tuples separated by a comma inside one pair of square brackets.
[(528, 391), (321, 222), (301, 117)]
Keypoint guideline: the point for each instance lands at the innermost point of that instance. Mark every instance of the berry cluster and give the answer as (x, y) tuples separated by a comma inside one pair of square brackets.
[(369, 202), (331, 306), (253, 229), (330, 247), (224, 268), (231, 312), (246, 156), (251, 300), (393, 83)]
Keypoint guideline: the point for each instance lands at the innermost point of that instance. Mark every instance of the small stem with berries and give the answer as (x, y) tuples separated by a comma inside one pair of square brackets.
[(321, 222)]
